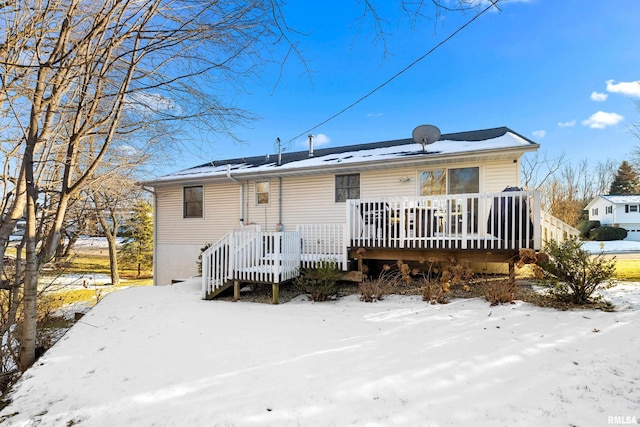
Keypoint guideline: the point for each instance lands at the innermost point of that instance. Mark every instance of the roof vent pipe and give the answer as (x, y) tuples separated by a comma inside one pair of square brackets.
[(310, 145)]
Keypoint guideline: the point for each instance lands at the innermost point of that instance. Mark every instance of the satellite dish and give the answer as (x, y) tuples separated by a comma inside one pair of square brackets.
[(425, 135)]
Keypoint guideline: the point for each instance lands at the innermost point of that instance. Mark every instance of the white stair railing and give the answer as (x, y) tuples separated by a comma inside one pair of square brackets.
[(250, 256), (556, 229)]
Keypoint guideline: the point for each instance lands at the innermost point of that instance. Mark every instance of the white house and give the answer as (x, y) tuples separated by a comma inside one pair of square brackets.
[(396, 199), (617, 211)]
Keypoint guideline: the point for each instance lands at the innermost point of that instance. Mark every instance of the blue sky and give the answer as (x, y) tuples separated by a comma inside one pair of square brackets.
[(563, 73)]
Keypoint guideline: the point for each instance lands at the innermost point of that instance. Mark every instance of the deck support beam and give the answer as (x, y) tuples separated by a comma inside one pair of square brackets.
[(236, 290), (276, 293)]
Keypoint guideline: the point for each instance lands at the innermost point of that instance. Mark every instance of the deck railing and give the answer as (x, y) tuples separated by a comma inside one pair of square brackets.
[(250, 256), (323, 243), (555, 229), (507, 220)]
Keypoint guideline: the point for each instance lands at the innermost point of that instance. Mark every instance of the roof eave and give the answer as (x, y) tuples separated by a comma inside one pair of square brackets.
[(430, 159)]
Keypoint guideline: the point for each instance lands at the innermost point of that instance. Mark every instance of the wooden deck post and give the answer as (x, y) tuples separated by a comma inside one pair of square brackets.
[(236, 290), (276, 293)]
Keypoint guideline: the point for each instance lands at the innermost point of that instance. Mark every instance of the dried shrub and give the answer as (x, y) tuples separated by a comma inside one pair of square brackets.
[(433, 292), (371, 290), (499, 291), (390, 277), (436, 283)]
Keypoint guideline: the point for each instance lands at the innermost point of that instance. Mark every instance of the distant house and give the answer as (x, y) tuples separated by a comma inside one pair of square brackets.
[(266, 216), (617, 211)]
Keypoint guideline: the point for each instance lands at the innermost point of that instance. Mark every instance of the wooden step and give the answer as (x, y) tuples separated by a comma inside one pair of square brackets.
[(224, 287)]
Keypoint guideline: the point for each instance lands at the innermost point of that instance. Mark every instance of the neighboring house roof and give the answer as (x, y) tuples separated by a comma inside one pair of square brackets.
[(616, 199), (496, 142), (623, 200)]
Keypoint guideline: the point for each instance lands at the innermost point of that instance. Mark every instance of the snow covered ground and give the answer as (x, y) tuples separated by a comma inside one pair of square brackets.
[(612, 247), (161, 356)]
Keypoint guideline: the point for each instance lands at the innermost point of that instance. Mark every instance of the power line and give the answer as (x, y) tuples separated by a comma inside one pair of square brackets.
[(492, 3)]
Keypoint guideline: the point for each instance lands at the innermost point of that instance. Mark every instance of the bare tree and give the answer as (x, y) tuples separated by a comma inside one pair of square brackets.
[(113, 199), (81, 76), (538, 168), (566, 188)]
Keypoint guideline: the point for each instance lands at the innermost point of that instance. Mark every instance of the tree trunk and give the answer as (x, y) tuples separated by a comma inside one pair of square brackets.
[(110, 233), (113, 258), (30, 293)]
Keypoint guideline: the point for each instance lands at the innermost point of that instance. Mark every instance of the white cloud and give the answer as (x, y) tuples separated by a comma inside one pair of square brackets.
[(321, 139), (601, 120), (568, 124), (485, 3), (539, 133), (625, 88), (599, 97)]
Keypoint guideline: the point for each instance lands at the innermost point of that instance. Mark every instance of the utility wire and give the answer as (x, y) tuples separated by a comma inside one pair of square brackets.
[(492, 3)]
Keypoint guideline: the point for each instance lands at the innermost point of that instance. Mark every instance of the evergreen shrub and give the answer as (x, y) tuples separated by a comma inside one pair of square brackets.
[(321, 283), (571, 274), (586, 226), (607, 233)]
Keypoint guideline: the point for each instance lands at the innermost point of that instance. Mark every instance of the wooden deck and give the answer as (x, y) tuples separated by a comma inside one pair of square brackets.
[(489, 227)]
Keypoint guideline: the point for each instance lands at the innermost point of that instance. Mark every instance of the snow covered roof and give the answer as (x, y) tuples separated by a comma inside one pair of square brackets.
[(450, 147), (619, 199)]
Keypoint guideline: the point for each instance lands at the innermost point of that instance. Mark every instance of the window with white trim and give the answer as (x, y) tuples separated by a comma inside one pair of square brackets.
[(263, 189), (192, 201), (449, 181), (347, 187)]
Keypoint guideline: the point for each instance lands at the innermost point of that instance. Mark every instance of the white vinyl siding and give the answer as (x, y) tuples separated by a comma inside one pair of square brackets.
[(266, 215), (311, 199), (221, 214), (498, 175)]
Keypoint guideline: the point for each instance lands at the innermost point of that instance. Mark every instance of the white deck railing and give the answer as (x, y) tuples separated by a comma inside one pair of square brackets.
[(555, 229), (506, 220), (250, 256), (323, 243)]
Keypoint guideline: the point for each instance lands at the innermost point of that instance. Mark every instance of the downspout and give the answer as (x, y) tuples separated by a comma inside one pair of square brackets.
[(241, 193), (280, 203), (155, 233)]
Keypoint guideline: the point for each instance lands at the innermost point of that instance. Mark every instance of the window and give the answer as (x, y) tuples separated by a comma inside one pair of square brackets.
[(192, 202), (633, 208), (451, 181), (262, 192), (347, 187), (432, 183), (609, 209), (594, 211), (464, 180)]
